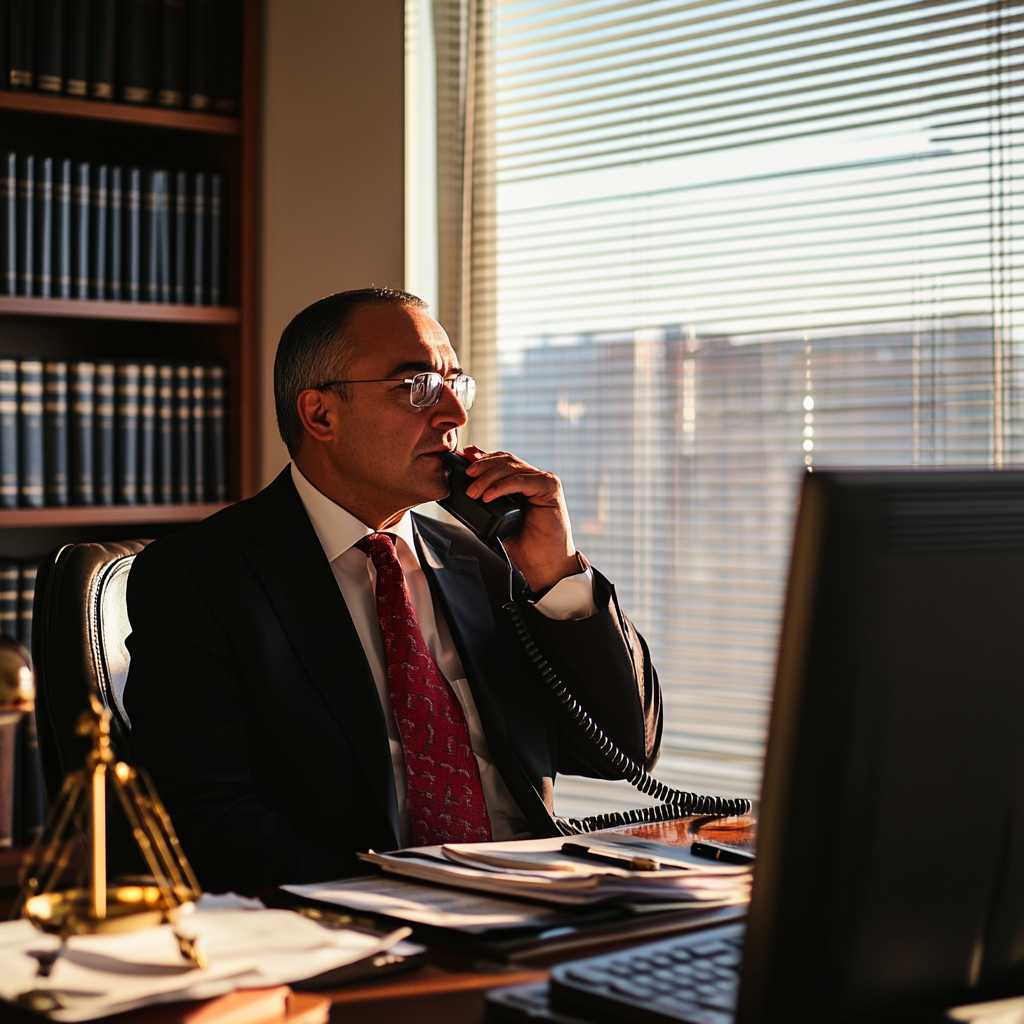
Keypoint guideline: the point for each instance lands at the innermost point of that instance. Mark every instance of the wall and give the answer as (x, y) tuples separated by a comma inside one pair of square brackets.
[(333, 175)]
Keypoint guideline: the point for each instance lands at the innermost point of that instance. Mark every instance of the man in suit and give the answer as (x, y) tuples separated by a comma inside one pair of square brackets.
[(317, 671)]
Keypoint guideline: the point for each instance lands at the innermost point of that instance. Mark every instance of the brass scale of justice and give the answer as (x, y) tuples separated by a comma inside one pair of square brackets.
[(60, 898)]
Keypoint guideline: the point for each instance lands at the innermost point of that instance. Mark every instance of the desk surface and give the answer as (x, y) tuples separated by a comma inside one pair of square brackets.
[(440, 994)]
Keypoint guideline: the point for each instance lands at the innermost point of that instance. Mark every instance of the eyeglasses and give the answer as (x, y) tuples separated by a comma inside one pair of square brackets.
[(424, 388)]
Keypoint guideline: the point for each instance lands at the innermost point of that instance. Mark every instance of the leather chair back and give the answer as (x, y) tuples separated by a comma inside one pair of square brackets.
[(78, 647)]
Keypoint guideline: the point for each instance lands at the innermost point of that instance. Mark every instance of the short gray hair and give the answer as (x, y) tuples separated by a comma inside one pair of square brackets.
[(313, 349)]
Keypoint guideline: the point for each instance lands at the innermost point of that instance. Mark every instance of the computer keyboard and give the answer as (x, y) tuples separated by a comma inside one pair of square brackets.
[(693, 978)]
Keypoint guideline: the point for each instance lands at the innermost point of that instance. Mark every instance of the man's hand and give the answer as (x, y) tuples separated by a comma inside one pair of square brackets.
[(542, 550)]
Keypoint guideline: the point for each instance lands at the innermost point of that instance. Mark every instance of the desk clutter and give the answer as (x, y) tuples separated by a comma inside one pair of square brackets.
[(246, 945), (109, 432)]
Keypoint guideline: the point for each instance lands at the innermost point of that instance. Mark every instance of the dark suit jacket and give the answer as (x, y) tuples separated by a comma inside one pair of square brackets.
[(254, 709)]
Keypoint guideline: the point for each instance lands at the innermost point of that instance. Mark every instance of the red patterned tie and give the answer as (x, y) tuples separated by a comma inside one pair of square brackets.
[(446, 799)]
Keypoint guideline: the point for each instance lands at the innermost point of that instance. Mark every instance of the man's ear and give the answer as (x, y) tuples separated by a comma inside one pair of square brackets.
[(317, 415)]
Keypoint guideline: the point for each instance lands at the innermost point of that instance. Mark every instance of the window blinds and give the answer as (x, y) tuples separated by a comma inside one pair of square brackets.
[(731, 241)]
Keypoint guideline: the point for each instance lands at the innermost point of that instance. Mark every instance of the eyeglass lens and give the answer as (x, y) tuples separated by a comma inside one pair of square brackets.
[(426, 389)]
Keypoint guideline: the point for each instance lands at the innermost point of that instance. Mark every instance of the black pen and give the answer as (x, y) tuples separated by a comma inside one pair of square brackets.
[(624, 860), (720, 852)]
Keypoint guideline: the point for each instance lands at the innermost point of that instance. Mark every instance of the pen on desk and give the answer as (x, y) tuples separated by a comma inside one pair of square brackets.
[(624, 860), (723, 854)]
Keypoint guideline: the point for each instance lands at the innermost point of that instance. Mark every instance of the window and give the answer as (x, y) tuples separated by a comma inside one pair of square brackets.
[(715, 244)]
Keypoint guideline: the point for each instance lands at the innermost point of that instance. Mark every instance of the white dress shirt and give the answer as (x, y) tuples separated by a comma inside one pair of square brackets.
[(338, 531)]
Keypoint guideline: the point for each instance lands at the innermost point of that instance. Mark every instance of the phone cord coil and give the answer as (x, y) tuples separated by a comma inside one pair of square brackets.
[(677, 803)]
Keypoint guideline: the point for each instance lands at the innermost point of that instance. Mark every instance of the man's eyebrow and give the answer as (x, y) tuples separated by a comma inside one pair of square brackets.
[(420, 367)]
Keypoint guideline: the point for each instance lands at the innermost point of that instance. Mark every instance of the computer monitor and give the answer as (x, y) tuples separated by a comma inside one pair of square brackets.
[(890, 862)]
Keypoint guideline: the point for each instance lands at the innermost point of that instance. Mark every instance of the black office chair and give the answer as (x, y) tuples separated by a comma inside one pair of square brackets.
[(78, 646)]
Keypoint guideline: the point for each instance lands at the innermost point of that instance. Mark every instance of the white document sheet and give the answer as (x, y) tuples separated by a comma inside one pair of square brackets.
[(97, 975), (426, 904)]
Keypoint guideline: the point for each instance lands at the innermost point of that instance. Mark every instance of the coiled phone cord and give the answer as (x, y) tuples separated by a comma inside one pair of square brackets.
[(677, 803)]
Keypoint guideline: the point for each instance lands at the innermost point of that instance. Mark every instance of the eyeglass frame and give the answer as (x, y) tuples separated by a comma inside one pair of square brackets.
[(410, 380)]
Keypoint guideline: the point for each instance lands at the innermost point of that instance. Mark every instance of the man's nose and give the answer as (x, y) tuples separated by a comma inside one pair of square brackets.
[(449, 411)]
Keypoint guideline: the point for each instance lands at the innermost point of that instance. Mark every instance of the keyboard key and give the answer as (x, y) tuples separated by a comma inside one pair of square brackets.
[(678, 1006), (633, 989), (710, 948), (720, 1001), (588, 975), (703, 1016)]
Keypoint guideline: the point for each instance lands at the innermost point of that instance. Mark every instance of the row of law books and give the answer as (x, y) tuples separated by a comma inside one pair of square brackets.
[(172, 53), (111, 433), (80, 230), (21, 789)]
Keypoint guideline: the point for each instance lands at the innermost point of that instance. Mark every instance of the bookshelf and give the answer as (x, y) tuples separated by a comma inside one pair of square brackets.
[(36, 328), (33, 327)]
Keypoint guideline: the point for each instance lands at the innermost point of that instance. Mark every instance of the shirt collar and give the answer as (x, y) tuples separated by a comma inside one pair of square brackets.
[(337, 529)]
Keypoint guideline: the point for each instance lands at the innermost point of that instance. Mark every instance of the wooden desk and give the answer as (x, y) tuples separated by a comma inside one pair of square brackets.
[(439, 995)]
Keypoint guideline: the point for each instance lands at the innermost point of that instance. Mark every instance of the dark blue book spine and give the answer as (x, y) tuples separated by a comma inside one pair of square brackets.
[(150, 236), (128, 375), (21, 23), (183, 425), (163, 224), (83, 204), (133, 234), (76, 60), (147, 436), (9, 475), (180, 246), (26, 222), (83, 432), (115, 269), (198, 433), (216, 234), (216, 433), (10, 581), (64, 187), (44, 229), (99, 233), (49, 76), (199, 240), (26, 602), (55, 427), (10, 208), (165, 418), (30, 411), (102, 34), (104, 464)]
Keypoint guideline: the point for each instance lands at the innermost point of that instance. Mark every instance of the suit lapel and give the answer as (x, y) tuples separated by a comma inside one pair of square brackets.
[(285, 554)]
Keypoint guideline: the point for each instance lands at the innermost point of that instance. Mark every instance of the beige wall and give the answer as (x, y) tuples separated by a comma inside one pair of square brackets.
[(333, 175)]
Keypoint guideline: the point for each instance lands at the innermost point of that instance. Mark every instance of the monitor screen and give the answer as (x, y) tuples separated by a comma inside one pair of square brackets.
[(891, 845)]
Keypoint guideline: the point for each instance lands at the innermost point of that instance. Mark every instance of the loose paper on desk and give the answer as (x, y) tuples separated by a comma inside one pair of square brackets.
[(536, 869), (999, 1011), (427, 904), (247, 946)]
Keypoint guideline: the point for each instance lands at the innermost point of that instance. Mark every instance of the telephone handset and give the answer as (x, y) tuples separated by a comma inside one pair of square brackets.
[(492, 521), (489, 520)]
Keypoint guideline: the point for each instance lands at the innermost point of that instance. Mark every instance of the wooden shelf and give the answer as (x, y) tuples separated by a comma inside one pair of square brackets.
[(106, 515), (98, 309), (123, 113)]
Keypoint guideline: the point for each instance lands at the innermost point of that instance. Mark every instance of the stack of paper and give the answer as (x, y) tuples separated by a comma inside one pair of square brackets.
[(97, 975), (537, 869)]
